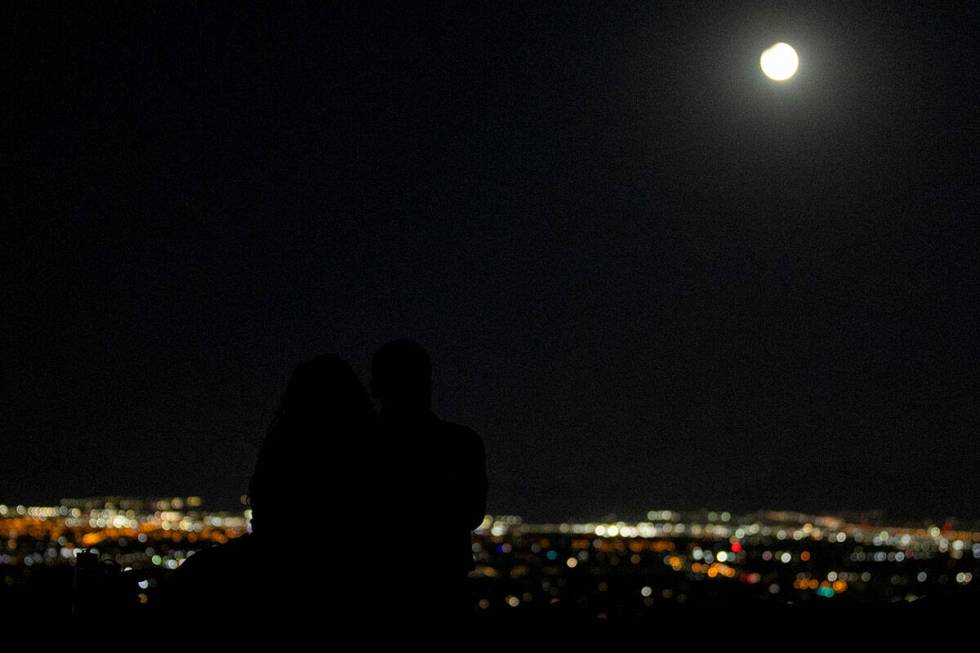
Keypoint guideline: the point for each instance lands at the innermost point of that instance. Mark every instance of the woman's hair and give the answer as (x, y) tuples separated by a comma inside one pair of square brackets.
[(324, 409)]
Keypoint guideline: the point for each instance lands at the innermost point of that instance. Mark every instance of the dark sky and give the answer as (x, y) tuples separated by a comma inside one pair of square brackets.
[(648, 276)]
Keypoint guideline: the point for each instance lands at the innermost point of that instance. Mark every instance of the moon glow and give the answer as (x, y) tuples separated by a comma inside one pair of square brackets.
[(779, 62)]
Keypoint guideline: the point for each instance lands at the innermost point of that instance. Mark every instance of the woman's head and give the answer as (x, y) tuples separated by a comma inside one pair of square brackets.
[(325, 409), (319, 393)]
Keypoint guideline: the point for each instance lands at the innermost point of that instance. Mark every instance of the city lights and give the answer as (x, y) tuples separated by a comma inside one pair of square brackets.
[(609, 567)]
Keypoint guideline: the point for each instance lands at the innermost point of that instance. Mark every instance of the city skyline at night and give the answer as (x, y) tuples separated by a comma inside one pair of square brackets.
[(597, 569), (682, 296)]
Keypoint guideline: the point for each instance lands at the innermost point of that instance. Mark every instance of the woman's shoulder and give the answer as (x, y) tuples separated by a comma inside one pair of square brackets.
[(234, 557), (214, 576)]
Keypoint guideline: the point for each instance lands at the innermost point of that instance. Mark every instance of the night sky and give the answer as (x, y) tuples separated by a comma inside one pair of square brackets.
[(648, 276)]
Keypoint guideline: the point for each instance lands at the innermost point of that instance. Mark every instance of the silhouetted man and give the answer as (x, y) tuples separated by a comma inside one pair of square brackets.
[(435, 480)]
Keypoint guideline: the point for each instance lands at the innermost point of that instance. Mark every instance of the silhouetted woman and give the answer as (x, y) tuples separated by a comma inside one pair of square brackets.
[(303, 497)]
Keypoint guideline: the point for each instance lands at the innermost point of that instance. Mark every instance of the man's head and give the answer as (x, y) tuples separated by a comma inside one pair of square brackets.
[(401, 377)]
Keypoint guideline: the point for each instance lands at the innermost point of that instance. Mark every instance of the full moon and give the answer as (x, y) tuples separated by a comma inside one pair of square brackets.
[(779, 62)]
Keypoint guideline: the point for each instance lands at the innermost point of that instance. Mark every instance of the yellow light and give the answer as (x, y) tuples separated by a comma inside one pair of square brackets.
[(779, 62)]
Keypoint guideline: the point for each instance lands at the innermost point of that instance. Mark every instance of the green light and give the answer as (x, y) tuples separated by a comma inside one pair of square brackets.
[(825, 592)]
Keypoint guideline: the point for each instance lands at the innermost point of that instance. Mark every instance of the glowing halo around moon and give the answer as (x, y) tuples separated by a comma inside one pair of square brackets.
[(779, 62)]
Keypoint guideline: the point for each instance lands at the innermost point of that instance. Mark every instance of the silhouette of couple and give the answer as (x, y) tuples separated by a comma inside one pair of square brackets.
[(353, 512)]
